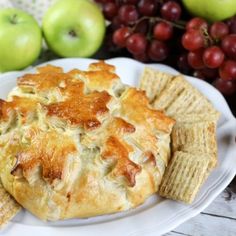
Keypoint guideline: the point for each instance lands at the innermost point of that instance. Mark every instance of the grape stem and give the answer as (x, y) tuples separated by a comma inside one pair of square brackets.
[(151, 24), (208, 38), (152, 20)]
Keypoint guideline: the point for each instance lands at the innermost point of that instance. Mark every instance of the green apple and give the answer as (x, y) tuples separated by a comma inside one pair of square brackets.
[(212, 10), (74, 28), (20, 39)]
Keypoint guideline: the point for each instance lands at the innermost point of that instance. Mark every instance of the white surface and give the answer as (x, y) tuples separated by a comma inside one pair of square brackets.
[(157, 215)]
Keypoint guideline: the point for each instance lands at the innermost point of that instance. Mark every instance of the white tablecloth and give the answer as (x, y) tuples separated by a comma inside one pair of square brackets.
[(37, 8)]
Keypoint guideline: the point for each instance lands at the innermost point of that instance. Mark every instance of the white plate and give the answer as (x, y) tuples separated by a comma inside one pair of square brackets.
[(156, 216)]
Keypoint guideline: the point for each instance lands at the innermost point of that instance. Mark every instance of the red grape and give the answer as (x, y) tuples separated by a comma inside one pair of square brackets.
[(130, 1), (196, 23), (158, 51), (228, 70), (136, 43), (120, 36), (193, 40), (110, 10), (218, 30), (171, 11), (195, 59), (142, 27), (143, 57), (228, 45), (198, 74), (147, 7), (209, 73), (213, 57), (128, 14), (232, 25), (226, 87), (104, 1), (162, 31), (183, 64), (116, 23)]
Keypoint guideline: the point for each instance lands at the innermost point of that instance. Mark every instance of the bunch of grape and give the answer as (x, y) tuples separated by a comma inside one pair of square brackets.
[(154, 30), (143, 27), (212, 51)]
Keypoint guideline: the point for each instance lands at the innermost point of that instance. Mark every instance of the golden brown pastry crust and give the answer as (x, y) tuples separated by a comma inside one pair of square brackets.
[(81, 143), (81, 109), (48, 150)]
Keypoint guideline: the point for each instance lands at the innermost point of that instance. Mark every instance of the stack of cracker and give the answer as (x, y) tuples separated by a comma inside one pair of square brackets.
[(8, 207), (194, 147)]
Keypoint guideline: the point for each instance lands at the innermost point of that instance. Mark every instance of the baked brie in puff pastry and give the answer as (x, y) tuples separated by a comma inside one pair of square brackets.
[(80, 144)]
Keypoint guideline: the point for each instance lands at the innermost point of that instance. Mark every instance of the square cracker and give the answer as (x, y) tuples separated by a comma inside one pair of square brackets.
[(196, 138), (8, 207), (180, 97), (184, 176), (174, 94), (153, 82), (195, 118)]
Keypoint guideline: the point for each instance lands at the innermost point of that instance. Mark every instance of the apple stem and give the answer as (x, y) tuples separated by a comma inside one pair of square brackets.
[(13, 19), (72, 33)]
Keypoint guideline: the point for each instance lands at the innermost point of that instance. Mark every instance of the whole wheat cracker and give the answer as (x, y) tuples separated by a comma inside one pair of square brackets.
[(180, 97), (174, 94), (196, 138), (153, 82), (8, 207), (194, 134), (184, 176)]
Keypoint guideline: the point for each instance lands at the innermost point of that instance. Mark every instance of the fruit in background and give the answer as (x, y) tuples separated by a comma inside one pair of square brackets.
[(74, 28), (183, 64), (193, 40), (213, 57), (196, 23), (228, 45), (136, 27), (171, 11), (128, 14), (120, 36), (218, 30), (158, 51), (228, 70), (227, 87), (136, 43), (110, 10), (195, 59), (153, 30), (232, 25), (163, 31), (20, 39), (147, 7), (212, 10)]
